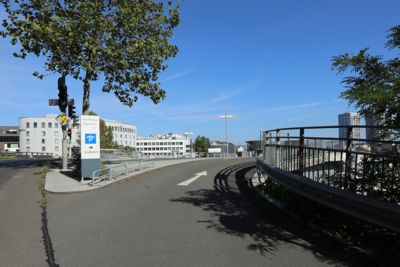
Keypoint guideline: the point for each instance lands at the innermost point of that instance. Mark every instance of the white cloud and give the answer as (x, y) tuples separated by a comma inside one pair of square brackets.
[(177, 75)]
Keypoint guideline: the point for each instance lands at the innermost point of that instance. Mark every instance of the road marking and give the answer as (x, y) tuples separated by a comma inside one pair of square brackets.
[(194, 178)]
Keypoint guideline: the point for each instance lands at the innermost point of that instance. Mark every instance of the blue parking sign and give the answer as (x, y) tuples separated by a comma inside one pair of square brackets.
[(90, 138)]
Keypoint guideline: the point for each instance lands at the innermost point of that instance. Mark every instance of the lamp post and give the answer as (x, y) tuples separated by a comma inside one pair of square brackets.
[(226, 117)]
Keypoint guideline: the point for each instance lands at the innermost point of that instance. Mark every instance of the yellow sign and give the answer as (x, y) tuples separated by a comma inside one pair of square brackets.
[(62, 119)]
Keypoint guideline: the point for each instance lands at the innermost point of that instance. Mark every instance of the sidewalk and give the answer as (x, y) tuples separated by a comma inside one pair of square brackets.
[(57, 182)]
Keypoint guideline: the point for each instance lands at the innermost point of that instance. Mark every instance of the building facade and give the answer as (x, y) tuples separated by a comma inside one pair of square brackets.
[(349, 119), (123, 134), (164, 145), (43, 135), (9, 138)]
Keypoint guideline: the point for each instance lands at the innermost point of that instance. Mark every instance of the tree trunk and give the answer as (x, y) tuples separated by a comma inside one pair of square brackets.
[(86, 94)]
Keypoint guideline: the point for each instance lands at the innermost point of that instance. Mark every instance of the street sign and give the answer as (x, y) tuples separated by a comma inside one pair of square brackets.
[(62, 119), (90, 134), (90, 145), (53, 102)]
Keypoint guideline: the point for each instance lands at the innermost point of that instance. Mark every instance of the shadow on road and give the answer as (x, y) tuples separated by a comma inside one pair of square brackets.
[(237, 210)]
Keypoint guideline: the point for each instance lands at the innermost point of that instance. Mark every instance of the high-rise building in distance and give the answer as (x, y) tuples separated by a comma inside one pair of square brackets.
[(349, 119)]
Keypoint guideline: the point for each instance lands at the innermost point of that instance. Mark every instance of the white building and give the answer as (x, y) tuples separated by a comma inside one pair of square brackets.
[(123, 134), (43, 135), (164, 145)]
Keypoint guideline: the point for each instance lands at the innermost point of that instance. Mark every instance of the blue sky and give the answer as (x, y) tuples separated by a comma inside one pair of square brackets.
[(266, 62)]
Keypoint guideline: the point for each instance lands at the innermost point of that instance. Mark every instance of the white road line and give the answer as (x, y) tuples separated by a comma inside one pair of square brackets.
[(194, 178)]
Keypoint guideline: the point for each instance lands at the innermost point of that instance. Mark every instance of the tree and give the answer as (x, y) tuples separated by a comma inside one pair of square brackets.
[(106, 134), (106, 137), (201, 144), (125, 42), (374, 88)]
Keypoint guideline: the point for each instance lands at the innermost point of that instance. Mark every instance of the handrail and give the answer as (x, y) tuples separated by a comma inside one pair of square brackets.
[(326, 127), (371, 210)]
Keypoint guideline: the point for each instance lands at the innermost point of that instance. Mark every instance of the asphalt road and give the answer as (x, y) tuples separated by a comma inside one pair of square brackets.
[(20, 214), (150, 220)]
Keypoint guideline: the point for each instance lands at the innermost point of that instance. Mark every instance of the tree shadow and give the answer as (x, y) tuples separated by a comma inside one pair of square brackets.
[(235, 209)]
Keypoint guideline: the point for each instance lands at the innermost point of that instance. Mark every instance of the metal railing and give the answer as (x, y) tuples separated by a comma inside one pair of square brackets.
[(120, 170), (329, 169)]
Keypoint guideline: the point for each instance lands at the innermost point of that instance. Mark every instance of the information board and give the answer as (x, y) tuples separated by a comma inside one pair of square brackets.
[(90, 137)]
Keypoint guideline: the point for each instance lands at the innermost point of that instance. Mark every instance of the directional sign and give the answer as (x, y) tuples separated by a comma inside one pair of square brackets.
[(90, 134), (62, 119)]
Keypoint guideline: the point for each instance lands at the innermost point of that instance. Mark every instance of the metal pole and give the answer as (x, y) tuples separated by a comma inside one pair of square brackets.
[(226, 135), (64, 148)]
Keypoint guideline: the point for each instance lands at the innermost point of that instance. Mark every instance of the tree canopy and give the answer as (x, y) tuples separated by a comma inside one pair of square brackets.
[(373, 84), (201, 144), (126, 42)]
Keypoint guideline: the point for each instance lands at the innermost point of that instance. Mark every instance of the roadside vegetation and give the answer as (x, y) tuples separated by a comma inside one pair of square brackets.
[(7, 156), (382, 245), (42, 181)]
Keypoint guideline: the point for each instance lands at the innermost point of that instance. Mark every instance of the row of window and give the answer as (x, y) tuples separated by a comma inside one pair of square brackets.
[(122, 129), (160, 148), (121, 136), (43, 124), (159, 143), (162, 154), (43, 133), (28, 141), (56, 149), (9, 138)]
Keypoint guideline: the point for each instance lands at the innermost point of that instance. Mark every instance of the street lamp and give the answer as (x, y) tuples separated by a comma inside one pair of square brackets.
[(226, 117)]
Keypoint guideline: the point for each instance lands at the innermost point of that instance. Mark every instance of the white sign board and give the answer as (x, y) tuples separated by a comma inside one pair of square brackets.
[(214, 150), (90, 137)]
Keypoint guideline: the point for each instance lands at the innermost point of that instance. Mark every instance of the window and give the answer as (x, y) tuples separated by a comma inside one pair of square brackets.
[(43, 133), (43, 141), (28, 149), (55, 125), (56, 148), (43, 149), (49, 125), (35, 125), (43, 125), (120, 135), (27, 133), (55, 141), (28, 141), (56, 133), (27, 124)]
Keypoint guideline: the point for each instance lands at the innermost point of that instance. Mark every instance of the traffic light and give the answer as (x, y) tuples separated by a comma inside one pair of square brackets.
[(71, 111), (62, 94), (69, 133)]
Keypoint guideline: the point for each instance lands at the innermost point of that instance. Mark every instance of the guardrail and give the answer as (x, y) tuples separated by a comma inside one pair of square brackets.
[(353, 175)]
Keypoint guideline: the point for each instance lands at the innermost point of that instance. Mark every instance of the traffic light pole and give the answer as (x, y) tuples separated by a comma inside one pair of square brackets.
[(63, 101)]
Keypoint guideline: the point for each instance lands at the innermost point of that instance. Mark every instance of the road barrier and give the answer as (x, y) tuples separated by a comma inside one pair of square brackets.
[(359, 177)]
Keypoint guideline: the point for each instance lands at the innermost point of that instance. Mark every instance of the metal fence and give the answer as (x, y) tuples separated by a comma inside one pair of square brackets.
[(360, 177), (369, 167)]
